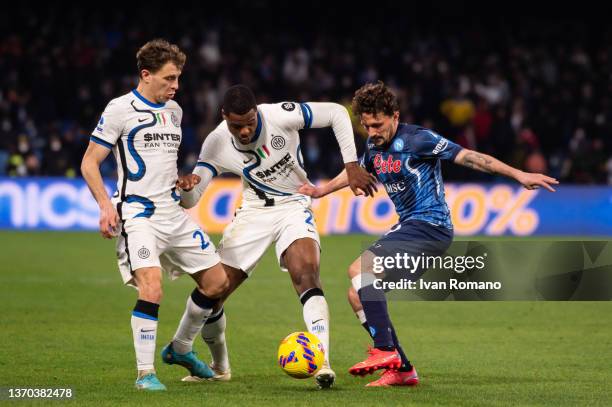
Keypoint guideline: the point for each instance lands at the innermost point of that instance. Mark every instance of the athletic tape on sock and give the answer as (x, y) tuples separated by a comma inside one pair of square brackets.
[(362, 280)]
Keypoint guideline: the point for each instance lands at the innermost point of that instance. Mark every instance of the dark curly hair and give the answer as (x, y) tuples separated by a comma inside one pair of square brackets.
[(375, 98), (238, 99), (156, 53)]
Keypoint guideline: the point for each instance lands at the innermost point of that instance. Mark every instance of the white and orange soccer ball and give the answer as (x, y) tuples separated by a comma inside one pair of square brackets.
[(301, 355)]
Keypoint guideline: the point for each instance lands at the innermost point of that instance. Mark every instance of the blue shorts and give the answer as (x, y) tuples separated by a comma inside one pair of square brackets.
[(414, 238)]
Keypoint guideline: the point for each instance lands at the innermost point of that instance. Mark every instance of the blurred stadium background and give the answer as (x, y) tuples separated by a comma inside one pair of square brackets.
[(535, 92)]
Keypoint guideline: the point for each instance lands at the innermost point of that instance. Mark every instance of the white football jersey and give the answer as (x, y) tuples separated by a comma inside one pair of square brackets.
[(145, 138), (271, 166)]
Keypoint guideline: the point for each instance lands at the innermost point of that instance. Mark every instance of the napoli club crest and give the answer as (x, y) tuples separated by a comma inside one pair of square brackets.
[(398, 144)]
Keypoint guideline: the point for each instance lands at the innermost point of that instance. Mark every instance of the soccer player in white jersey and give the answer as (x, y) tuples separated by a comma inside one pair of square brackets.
[(260, 143), (143, 130)]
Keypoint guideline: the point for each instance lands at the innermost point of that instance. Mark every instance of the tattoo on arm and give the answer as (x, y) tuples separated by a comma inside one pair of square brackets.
[(477, 161)]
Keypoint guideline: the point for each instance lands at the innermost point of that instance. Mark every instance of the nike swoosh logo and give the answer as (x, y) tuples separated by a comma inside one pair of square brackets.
[(311, 231), (247, 161), (150, 330), (141, 120), (314, 322)]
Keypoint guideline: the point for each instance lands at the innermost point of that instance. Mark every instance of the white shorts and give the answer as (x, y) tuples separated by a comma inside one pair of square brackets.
[(176, 245), (253, 230)]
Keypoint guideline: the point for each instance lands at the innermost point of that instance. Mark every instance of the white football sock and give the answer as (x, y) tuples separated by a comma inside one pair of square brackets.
[(144, 332), (191, 323), (316, 317), (213, 334)]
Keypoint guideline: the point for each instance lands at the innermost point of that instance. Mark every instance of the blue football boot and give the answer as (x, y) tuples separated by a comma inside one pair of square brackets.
[(188, 360), (149, 382)]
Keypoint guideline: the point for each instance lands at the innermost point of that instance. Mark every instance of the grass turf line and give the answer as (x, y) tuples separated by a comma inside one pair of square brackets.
[(65, 323)]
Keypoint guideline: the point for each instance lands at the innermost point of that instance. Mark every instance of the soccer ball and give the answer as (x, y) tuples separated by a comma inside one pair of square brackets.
[(301, 355)]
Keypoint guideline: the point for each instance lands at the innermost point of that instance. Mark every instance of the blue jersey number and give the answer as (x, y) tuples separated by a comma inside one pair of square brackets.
[(204, 244), (309, 218)]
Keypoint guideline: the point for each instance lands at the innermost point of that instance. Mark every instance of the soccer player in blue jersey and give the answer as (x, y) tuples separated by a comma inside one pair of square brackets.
[(406, 160)]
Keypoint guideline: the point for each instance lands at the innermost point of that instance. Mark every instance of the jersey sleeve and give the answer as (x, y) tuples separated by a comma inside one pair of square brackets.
[(179, 111), (293, 115), (110, 126), (211, 154), (428, 144)]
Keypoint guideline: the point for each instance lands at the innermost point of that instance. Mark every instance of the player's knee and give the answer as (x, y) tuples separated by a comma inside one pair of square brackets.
[(223, 287), (151, 291), (217, 289)]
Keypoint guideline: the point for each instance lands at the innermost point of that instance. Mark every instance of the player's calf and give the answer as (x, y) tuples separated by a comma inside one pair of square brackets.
[(197, 310), (144, 321), (213, 333)]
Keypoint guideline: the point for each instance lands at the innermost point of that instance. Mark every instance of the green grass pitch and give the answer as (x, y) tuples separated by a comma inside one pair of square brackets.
[(65, 318)]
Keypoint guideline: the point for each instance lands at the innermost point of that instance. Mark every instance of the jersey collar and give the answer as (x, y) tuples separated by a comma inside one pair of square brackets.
[(257, 129), (146, 101)]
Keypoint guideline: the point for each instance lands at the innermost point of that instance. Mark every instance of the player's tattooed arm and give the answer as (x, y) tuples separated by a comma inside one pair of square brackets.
[(477, 161), (486, 163)]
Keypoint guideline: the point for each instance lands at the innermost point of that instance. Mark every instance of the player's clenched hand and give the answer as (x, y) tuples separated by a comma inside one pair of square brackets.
[(109, 220), (187, 182), (534, 181), (360, 181), (311, 190)]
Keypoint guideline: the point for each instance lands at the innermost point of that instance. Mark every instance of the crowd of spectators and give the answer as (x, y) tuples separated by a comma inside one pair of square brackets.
[(536, 94)]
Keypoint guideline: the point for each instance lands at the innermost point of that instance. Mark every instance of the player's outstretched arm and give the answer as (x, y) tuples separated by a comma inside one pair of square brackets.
[(90, 168), (339, 182), (486, 163), (334, 115), (360, 181), (192, 186)]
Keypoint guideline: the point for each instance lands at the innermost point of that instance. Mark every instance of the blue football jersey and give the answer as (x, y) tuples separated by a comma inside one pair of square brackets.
[(409, 169)]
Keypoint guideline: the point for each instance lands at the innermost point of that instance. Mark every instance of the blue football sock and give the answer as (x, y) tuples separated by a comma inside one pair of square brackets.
[(406, 366), (375, 309)]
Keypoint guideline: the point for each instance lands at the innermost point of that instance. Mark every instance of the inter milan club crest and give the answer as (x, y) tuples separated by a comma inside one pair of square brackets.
[(288, 106), (277, 142), (175, 120), (143, 253)]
